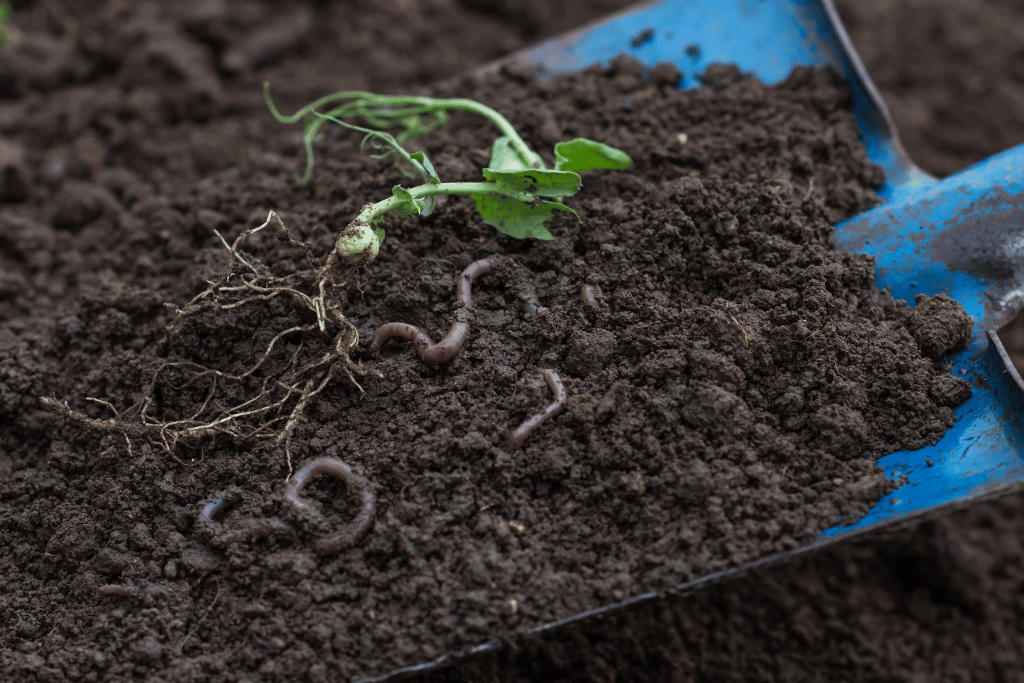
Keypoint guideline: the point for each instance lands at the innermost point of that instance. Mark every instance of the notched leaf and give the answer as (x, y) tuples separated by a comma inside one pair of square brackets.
[(537, 181), (582, 154), (504, 157), (518, 219)]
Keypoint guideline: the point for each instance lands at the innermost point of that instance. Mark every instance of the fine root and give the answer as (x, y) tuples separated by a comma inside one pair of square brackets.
[(524, 430), (363, 522), (278, 406), (443, 351), (743, 330)]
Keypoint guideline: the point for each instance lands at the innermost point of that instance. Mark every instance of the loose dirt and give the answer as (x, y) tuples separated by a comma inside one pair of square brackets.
[(728, 393), (638, 369)]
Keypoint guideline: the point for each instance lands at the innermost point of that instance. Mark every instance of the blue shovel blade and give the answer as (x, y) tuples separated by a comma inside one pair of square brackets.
[(957, 236), (962, 236)]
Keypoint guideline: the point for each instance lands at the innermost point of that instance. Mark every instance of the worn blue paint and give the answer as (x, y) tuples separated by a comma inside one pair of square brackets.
[(962, 236), (924, 237), (980, 454)]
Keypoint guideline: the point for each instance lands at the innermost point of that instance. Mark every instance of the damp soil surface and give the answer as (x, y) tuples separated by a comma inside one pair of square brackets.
[(728, 390)]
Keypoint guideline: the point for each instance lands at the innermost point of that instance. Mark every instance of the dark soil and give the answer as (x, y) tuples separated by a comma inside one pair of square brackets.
[(87, 268), (941, 602)]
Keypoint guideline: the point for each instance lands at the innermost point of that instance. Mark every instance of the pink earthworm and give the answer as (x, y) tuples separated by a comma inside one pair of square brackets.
[(524, 430), (359, 527), (430, 353)]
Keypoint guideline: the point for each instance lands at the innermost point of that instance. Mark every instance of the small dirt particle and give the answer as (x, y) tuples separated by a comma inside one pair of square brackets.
[(950, 391), (109, 561), (842, 431), (147, 650), (666, 74), (590, 352)]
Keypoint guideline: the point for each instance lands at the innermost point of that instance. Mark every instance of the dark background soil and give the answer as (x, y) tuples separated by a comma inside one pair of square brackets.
[(937, 602)]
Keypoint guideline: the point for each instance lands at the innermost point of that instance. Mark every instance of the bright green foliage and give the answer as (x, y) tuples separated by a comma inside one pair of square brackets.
[(518, 219), (408, 205), (518, 195), (5, 12), (505, 158), (521, 219), (582, 154)]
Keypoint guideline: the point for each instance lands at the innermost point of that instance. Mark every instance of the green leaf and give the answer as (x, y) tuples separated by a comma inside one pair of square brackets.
[(379, 232), (5, 11), (518, 219), (429, 203), (430, 177), (505, 158), (409, 206), (428, 172), (582, 154), (537, 181)]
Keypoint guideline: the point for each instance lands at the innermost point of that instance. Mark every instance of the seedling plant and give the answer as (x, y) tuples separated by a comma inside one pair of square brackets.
[(518, 196)]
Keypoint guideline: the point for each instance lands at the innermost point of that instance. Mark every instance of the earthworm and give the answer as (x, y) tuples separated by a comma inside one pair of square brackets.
[(215, 507), (363, 522), (524, 430), (250, 530), (115, 589), (429, 352), (529, 303)]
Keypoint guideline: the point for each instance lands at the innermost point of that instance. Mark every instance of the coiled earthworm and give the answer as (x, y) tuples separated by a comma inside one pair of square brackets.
[(360, 526), (429, 352), (524, 430), (250, 530)]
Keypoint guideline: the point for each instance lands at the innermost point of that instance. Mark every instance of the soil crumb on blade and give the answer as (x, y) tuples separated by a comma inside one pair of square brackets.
[(940, 325), (726, 396)]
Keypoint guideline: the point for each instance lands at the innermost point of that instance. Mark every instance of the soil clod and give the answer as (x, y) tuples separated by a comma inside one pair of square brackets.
[(940, 325)]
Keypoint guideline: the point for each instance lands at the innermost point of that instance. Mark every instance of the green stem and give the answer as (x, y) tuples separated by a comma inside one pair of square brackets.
[(417, 105), (372, 212)]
